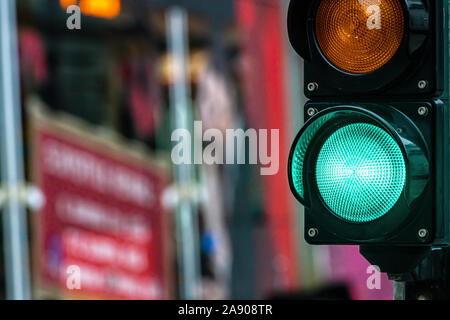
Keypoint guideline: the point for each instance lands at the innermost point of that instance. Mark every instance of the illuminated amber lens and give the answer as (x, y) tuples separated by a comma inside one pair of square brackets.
[(359, 36)]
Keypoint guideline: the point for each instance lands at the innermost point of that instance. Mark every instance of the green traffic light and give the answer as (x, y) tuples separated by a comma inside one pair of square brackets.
[(360, 172), (371, 163), (360, 177)]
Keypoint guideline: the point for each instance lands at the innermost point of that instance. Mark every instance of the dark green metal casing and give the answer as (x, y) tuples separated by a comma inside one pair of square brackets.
[(431, 211), (395, 245)]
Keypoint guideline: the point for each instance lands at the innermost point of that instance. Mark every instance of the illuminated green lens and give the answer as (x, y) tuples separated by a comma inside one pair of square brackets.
[(360, 172)]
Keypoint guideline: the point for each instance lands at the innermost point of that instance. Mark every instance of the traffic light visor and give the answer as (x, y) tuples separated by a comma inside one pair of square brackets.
[(359, 36)]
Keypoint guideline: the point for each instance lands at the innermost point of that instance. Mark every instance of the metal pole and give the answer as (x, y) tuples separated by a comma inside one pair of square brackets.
[(186, 211), (11, 155), (399, 290)]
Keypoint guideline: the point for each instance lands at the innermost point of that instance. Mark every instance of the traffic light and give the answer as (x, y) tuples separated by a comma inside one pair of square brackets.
[(371, 163)]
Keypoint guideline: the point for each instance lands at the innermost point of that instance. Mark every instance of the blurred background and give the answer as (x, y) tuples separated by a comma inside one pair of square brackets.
[(98, 107)]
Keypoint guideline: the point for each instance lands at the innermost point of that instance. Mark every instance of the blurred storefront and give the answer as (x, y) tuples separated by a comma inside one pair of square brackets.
[(98, 117), (111, 80)]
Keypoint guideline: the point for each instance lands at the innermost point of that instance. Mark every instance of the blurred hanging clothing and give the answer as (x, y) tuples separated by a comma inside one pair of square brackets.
[(215, 107), (215, 100), (143, 93), (33, 59), (215, 238)]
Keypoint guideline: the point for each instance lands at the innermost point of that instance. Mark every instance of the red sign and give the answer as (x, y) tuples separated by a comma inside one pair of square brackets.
[(102, 221), (266, 106)]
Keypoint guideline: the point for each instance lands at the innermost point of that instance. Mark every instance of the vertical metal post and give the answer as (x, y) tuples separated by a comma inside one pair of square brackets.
[(11, 156), (186, 211), (399, 290)]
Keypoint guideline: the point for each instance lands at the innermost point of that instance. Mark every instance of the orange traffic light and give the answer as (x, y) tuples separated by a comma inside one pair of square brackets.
[(359, 36), (107, 9), (67, 3), (101, 8)]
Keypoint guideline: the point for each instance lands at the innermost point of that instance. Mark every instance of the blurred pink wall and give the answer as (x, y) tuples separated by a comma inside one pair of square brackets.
[(350, 267)]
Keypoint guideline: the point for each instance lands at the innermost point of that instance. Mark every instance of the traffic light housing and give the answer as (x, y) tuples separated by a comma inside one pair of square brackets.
[(371, 163), (416, 63)]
